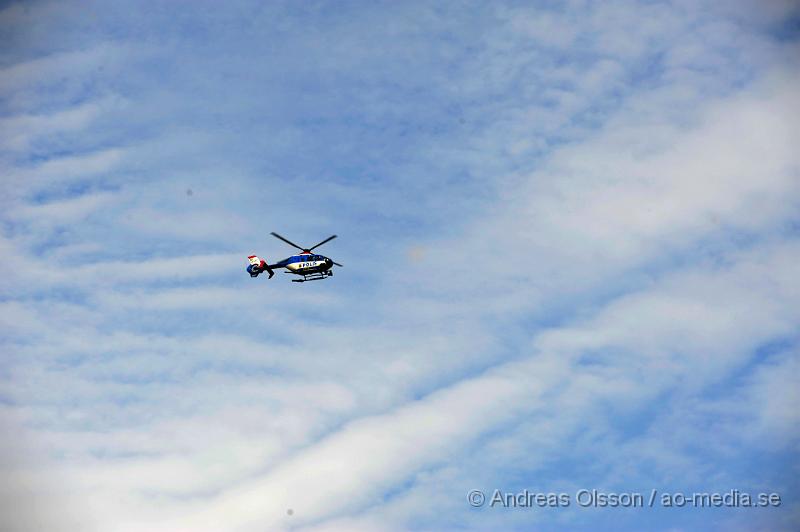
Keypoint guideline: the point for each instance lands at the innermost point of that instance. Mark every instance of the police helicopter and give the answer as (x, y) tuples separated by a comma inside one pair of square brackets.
[(310, 266)]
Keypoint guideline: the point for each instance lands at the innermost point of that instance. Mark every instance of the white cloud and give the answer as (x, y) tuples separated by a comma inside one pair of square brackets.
[(72, 210), (606, 212)]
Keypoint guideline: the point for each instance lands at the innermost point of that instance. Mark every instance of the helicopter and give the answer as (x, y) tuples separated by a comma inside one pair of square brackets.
[(310, 266)]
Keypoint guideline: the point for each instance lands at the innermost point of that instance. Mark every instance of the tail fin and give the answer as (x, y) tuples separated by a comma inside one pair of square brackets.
[(258, 265)]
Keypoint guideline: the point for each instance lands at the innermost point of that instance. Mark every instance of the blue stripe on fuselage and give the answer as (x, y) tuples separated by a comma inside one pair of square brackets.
[(297, 258)]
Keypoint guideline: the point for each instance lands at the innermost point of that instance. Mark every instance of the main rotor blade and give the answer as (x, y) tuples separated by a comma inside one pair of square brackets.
[(318, 245), (276, 235), (336, 263)]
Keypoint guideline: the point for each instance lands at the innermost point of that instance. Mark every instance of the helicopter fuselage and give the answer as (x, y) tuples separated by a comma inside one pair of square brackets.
[(308, 265), (304, 264)]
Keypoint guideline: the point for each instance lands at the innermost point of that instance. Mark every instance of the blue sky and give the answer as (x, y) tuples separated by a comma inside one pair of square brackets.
[(569, 234)]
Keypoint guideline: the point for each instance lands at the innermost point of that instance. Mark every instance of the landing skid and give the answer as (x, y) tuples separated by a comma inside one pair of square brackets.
[(313, 277)]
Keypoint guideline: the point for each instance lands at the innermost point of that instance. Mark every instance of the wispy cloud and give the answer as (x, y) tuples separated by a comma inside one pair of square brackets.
[(568, 233)]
